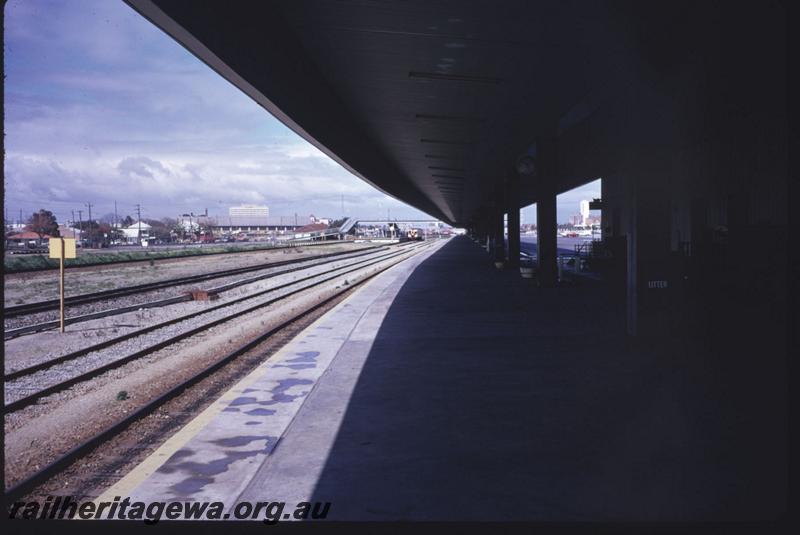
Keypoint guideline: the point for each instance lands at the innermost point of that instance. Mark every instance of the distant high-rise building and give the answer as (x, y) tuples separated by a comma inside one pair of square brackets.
[(584, 210), (248, 210)]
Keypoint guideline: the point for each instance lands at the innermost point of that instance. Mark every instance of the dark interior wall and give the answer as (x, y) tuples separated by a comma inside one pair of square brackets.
[(694, 159), (728, 175), (692, 152)]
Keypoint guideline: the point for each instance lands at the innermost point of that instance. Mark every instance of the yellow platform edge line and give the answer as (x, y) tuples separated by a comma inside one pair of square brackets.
[(148, 466)]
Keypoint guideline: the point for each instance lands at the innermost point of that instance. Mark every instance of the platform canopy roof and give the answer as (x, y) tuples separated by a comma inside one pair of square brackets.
[(430, 101)]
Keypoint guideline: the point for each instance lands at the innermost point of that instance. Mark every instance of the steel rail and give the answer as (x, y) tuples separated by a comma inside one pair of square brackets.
[(31, 482), (30, 399), (16, 374), (52, 304), (46, 325)]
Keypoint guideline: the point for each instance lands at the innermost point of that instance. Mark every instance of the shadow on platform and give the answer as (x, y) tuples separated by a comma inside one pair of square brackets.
[(487, 398)]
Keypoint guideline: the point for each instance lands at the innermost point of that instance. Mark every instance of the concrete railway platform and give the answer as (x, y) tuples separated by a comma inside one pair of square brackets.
[(446, 389)]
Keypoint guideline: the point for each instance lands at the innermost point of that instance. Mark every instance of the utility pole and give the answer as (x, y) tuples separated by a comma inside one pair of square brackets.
[(91, 234), (20, 216), (139, 220), (80, 217), (116, 221)]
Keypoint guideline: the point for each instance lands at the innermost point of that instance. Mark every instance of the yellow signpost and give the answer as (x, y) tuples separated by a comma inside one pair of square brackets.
[(62, 248)]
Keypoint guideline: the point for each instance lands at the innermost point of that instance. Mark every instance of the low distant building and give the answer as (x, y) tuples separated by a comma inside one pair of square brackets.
[(193, 223), (188, 224), (323, 220), (25, 239), (584, 210), (313, 227), (68, 232), (248, 210), (259, 224), (131, 233)]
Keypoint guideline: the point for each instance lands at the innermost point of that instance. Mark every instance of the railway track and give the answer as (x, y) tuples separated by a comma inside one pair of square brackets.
[(16, 374), (103, 295), (185, 296), (33, 397), (64, 460)]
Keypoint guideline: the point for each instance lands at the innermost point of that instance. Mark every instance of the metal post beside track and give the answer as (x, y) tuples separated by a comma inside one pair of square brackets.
[(61, 286), (62, 249)]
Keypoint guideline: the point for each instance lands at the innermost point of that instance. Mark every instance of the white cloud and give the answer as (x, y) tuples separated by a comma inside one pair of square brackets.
[(102, 106)]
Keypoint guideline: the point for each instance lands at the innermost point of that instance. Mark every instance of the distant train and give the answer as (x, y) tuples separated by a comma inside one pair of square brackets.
[(413, 234)]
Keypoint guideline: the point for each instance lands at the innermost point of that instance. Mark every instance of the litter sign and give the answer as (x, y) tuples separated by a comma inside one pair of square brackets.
[(67, 243)]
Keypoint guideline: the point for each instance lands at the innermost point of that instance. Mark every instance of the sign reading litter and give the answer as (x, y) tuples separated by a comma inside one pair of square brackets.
[(69, 247)]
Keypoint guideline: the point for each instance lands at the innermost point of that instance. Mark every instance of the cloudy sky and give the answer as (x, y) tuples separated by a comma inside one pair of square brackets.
[(100, 106)]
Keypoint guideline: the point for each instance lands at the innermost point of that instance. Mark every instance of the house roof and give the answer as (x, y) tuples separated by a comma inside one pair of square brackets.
[(135, 226), (27, 235)]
